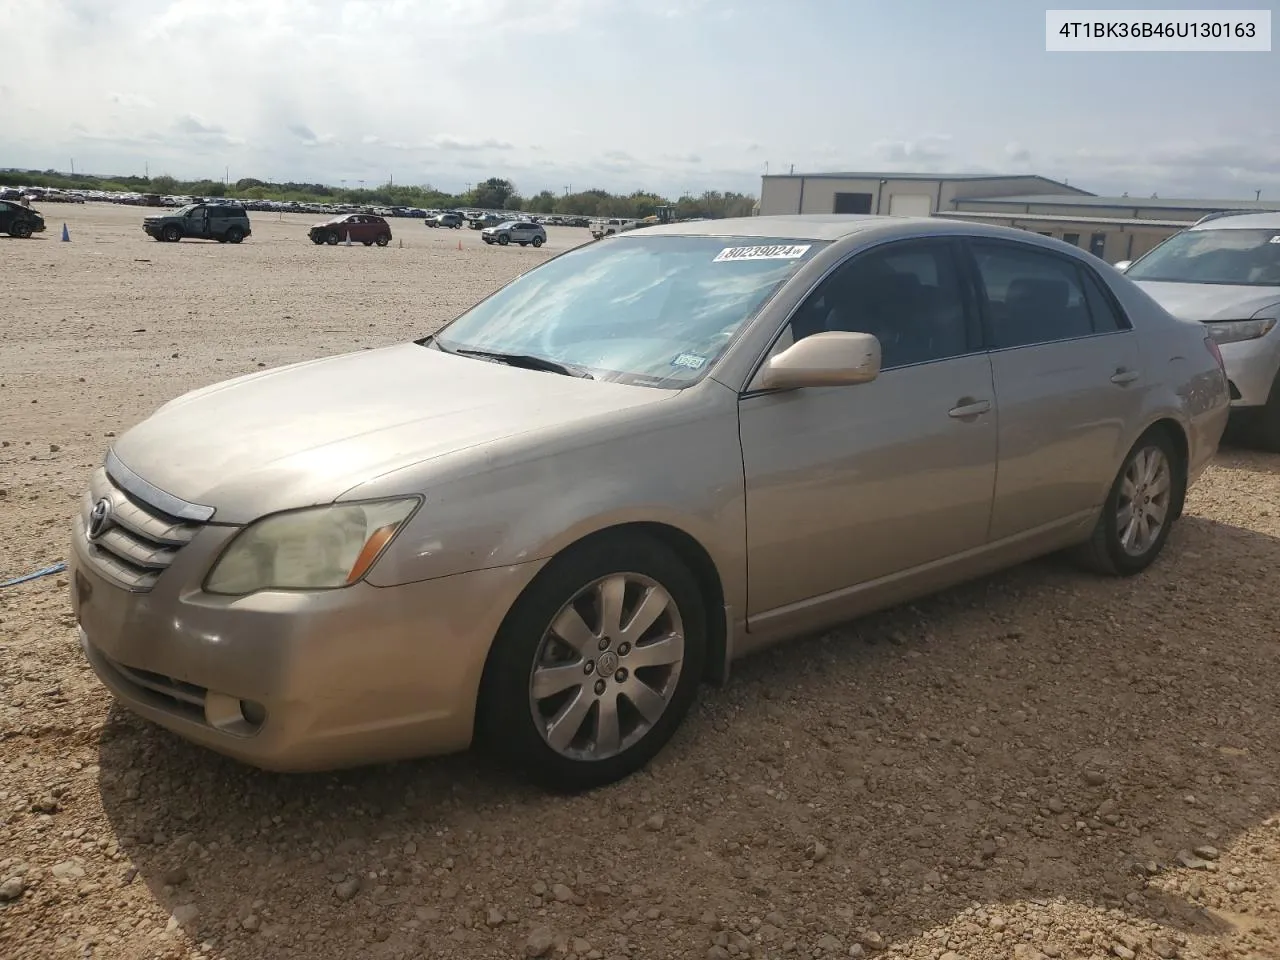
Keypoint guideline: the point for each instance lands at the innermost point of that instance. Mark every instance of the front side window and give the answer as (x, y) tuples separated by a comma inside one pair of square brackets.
[(1243, 257), (1031, 296), (197, 213), (907, 294), (655, 311)]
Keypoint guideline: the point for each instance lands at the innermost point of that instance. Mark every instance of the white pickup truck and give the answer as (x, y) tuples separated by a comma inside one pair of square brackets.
[(602, 227)]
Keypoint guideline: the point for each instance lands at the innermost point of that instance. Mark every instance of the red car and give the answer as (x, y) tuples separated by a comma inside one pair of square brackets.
[(360, 227)]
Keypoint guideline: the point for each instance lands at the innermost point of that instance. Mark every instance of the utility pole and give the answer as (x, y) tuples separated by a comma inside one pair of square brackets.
[(1257, 195), (146, 169), (73, 166)]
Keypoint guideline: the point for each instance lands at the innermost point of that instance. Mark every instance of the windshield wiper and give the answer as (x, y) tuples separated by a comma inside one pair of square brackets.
[(526, 361)]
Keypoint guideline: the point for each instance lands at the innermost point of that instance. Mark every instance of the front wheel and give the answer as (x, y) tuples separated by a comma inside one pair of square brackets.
[(596, 664), (317, 239), (536, 241), (503, 240), (1139, 511), (172, 233), (332, 238), (20, 229)]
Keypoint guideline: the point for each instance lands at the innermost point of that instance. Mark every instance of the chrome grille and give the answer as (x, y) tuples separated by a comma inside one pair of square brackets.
[(140, 541)]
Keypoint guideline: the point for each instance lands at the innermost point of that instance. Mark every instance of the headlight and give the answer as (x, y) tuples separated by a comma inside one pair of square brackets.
[(320, 548), (1233, 331)]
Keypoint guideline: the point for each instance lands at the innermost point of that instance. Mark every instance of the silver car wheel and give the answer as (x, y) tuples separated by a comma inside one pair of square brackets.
[(607, 667), (1145, 495)]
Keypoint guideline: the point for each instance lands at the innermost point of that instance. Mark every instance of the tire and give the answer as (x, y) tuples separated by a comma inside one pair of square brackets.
[(20, 229), (524, 243), (516, 723), (1261, 425), (367, 243), (382, 239), (536, 241), (234, 235), (1105, 552), (487, 241), (503, 239), (318, 239), (172, 233), (332, 238)]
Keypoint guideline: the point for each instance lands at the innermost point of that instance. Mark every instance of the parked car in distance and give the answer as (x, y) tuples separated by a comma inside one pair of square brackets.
[(606, 227), (363, 228), (515, 231), (452, 220), (484, 220), (544, 525), (1225, 273), (224, 222), (19, 221)]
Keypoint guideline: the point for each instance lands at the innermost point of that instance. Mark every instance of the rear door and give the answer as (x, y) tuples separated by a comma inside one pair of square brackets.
[(1069, 383)]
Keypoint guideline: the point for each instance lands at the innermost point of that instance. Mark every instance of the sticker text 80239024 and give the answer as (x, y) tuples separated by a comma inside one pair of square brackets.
[(777, 251)]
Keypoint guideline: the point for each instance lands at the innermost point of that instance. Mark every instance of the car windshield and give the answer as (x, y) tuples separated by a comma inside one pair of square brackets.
[(655, 311), (1243, 257), (183, 211)]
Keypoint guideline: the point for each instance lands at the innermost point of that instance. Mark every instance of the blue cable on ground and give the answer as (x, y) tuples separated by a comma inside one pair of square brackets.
[(46, 572)]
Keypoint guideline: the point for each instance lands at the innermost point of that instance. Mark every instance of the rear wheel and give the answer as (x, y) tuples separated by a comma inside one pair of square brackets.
[(1139, 511), (596, 664), (20, 229), (234, 235), (536, 241), (383, 239), (172, 233)]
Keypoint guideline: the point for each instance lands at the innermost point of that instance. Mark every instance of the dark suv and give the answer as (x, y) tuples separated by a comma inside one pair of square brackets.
[(19, 221), (363, 228), (224, 222)]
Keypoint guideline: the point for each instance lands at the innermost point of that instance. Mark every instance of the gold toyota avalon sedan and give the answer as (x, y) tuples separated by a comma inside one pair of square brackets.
[(546, 524)]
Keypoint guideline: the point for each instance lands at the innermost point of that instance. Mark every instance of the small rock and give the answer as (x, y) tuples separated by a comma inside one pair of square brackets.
[(175, 876), (717, 952), (857, 950), (819, 851), (655, 822), (1209, 853), (54, 448), (45, 805), (950, 955), (494, 917), (1123, 952), (1093, 778), (1191, 862), (251, 922), (1107, 807), (67, 870), (829, 944), (12, 888), (347, 888), (1025, 951), (1056, 805), (183, 916), (1164, 948), (997, 924), (539, 943), (871, 940)]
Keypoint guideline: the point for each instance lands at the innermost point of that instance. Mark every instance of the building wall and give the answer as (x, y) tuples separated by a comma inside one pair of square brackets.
[(1062, 210), (790, 195)]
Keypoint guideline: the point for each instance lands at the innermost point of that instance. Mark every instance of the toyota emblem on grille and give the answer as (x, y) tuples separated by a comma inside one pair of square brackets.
[(99, 518)]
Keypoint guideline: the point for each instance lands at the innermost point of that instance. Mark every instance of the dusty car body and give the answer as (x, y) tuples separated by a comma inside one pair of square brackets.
[(547, 523), (365, 228)]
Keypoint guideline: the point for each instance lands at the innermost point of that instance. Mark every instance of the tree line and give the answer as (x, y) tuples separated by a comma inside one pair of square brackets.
[(495, 193)]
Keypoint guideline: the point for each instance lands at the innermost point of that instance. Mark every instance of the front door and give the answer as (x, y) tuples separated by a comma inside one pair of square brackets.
[(845, 485), (196, 223), (1068, 380)]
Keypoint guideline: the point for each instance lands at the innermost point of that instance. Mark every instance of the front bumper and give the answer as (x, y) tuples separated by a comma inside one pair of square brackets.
[(1252, 366), (295, 681)]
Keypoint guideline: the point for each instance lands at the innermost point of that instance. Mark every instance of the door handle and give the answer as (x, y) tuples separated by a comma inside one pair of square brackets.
[(1123, 376), (967, 407)]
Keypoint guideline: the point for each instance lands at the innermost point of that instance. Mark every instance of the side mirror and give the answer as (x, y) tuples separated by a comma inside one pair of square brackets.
[(831, 359), (1123, 265)]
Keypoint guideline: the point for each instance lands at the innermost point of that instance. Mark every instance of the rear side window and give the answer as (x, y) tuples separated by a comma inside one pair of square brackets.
[(1103, 311), (1031, 296)]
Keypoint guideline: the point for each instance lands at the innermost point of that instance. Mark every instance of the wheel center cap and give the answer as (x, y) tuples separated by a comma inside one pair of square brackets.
[(607, 663)]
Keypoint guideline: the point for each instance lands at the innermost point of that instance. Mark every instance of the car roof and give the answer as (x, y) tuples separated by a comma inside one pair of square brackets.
[(1244, 221), (799, 227)]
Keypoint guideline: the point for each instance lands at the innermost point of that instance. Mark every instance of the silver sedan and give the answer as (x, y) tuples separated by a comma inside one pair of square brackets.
[(546, 524)]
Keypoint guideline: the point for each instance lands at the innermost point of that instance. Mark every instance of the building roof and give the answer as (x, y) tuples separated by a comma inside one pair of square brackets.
[(1059, 218), (900, 175), (812, 226), (1130, 203)]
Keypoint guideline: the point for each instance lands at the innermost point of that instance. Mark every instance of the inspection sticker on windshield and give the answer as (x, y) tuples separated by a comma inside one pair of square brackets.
[(778, 251), (690, 360), (1275, 239)]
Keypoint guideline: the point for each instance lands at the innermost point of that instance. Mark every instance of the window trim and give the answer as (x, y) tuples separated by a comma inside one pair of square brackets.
[(975, 333), (980, 292)]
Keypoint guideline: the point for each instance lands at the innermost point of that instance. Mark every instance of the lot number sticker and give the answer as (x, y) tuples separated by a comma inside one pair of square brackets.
[(778, 251), (690, 360), (1274, 240)]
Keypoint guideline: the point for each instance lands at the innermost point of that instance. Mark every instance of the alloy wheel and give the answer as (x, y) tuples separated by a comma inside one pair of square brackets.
[(607, 667), (1142, 508)]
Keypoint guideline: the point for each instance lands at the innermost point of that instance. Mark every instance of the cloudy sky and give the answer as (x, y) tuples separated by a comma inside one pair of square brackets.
[(623, 94)]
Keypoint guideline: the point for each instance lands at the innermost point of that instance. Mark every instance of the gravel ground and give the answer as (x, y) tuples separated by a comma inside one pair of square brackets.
[(1041, 764)]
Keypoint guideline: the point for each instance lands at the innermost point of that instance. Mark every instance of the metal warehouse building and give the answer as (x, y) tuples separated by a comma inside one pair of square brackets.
[(1113, 228)]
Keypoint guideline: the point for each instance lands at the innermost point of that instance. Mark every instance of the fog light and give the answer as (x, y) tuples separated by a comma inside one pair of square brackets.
[(254, 713), (241, 718)]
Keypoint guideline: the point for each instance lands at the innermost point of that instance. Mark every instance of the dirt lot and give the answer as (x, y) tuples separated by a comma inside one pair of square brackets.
[(1040, 764)]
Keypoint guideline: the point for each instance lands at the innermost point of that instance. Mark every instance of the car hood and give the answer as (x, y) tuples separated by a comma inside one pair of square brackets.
[(1210, 301), (306, 433)]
